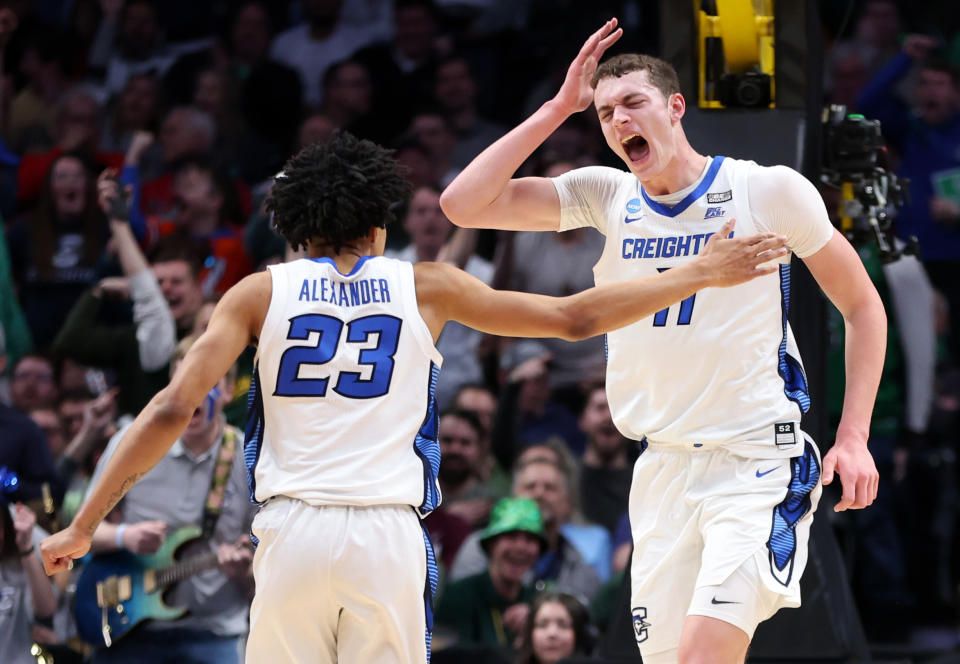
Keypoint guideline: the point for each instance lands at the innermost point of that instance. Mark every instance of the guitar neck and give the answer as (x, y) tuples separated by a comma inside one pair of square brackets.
[(186, 568)]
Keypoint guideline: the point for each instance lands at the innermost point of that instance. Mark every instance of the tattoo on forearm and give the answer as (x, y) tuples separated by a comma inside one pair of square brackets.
[(112, 501)]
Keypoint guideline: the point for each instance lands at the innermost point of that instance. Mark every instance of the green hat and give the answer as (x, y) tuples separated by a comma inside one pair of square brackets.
[(514, 514)]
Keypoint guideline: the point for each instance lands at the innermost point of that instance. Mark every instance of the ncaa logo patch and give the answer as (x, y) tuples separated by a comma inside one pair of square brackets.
[(640, 623), (714, 212), (634, 205)]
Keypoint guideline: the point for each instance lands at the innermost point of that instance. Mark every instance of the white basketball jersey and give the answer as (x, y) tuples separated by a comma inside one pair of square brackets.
[(342, 407), (720, 367)]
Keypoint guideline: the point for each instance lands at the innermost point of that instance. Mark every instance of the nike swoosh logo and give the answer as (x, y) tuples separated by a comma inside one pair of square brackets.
[(721, 601), (628, 220), (766, 472)]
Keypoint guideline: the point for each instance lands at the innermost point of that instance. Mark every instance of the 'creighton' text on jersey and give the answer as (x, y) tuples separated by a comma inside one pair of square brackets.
[(342, 403), (720, 367)]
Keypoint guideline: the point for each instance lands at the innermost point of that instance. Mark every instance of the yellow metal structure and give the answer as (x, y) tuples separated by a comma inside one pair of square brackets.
[(746, 30)]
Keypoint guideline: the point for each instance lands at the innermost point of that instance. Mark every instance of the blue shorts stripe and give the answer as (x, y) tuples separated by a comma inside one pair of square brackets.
[(804, 477), (430, 588)]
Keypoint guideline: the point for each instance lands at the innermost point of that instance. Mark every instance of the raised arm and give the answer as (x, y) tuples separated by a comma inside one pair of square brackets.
[(484, 195), (235, 322), (445, 293)]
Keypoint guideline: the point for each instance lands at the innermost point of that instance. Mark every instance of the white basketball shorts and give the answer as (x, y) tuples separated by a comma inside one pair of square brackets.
[(340, 584), (716, 535)]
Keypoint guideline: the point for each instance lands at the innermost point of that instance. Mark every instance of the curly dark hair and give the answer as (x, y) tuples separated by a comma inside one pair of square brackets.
[(337, 191)]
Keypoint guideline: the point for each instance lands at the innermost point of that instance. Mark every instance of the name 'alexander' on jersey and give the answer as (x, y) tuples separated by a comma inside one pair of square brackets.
[(353, 294)]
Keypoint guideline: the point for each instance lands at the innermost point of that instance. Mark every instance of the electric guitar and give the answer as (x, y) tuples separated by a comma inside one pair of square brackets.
[(117, 591)]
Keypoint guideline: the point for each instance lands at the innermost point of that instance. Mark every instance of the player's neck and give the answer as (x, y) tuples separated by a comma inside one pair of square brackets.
[(345, 259), (683, 170)]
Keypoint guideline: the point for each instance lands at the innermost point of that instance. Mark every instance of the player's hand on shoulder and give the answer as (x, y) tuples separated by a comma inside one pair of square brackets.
[(852, 461), (731, 261)]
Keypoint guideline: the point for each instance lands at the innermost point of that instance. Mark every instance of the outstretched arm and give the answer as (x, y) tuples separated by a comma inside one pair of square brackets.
[(483, 195), (445, 293), (236, 320)]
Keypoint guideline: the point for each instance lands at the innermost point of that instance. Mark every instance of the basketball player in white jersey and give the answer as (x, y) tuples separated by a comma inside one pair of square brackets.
[(724, 492), (342, 446)]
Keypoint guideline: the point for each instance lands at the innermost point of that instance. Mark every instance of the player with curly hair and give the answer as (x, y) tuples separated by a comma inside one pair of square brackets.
[(341, 447)]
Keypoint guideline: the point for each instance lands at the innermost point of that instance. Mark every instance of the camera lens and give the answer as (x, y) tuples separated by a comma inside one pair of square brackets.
[(749, 93)]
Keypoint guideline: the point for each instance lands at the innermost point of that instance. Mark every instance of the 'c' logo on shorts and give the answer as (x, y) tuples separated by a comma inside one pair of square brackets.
[(640, 623)]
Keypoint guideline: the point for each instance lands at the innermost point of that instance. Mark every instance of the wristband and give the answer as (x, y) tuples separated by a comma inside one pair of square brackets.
[(24, 554), (119, 536)]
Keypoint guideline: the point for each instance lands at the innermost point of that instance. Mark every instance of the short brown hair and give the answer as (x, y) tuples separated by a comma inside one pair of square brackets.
[(660, 73)]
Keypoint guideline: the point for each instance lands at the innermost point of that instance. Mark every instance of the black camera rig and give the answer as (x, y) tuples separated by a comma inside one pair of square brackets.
[(852, 148)]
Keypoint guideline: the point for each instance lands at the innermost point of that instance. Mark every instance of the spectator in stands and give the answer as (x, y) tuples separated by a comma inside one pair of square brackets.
[(876, 39), (528, 413), (420, 171), (455, 90), (347, 101), (401, 69), (166, 299), (460, 436), (15, 338), (76, 129), (89, 424), (185, 132), (559, 627), (491, 606), (27, 592), (433, 131), (481, 401), (56, 247), (172, 495), (561, 566), (607, 469), (206, 214), (129, 41), (34, 383), (48, 421), (135, 109), (928, 141), (429, 231), (261, 99), (319, 42), (23, 448), (44, 64), (558, 264)]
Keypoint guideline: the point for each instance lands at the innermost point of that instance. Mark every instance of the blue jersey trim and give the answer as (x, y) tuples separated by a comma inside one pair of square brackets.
[(794, 380), (426, 447), (357, 265), (674, 210), (253, 437), (429, 588), (804, 477)]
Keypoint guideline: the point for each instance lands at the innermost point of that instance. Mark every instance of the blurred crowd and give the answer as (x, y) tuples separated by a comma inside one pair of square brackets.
[(138, 140)]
